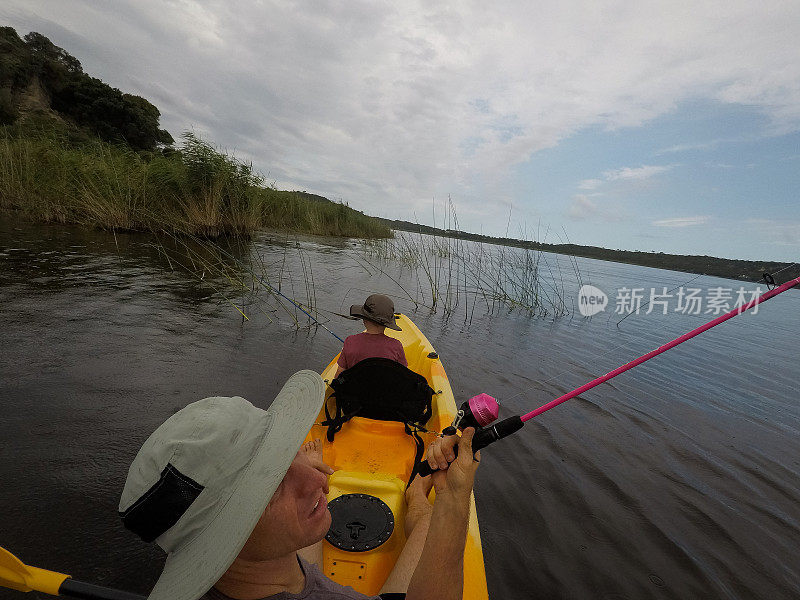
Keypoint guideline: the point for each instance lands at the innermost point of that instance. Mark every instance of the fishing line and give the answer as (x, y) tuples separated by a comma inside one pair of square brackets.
[(623, 344), (697, 277), (299, 307), (786, 267), (489, 434), (566, 371), (611, 350), (679, 340), (276, 291), (663, 326)]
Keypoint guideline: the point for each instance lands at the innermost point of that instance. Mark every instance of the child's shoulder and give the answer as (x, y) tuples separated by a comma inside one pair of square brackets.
[(359, 337), (393, 343), (377, 337), (352, 338)]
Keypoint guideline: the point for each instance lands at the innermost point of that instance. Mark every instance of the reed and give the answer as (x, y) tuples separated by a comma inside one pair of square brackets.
[(50, 174), (255, 279), (451, 274), (457, 278)]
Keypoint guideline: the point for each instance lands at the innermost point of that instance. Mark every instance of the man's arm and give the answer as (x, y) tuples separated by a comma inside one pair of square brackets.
[(440, 572), (417, 521)]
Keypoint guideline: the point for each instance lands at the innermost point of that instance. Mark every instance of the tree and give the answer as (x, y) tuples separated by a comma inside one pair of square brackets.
[(47, 52), (141, 128), (86, 100), (16, 65)]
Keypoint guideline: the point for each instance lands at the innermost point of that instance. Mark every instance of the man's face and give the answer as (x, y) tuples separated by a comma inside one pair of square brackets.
[(296, 516)]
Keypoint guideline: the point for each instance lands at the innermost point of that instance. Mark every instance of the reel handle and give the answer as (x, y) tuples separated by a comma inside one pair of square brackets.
[(483, 437)]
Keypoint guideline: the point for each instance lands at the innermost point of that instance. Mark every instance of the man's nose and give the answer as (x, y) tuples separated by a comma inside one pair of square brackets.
[(324, 482), (316, 479)]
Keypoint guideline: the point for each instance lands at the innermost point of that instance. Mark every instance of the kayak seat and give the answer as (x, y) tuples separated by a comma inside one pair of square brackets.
[(381, 389), (384, 390)]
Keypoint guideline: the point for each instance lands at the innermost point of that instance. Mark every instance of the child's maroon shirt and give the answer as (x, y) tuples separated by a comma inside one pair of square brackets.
[(370, 345)]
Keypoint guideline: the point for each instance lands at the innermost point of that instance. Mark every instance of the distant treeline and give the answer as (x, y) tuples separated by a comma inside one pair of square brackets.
[(706, 265)]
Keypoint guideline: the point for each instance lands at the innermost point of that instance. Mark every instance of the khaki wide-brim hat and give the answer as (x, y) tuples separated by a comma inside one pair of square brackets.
[(229, 457), (377, 308)]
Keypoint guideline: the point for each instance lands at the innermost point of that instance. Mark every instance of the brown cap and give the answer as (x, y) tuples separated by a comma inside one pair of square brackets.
[(377, 308)]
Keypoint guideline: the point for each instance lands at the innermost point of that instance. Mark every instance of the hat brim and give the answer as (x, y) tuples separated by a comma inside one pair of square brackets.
[(194, 568), (357, 311)]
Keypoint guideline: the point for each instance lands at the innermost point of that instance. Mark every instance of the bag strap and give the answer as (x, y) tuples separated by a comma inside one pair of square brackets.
[(334, 423), (413, 430)]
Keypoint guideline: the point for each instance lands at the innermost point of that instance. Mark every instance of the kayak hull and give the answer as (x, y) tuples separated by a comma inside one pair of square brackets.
[(376, 458)]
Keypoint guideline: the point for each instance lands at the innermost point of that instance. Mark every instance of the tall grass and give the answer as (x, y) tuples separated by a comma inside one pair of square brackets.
[(457, 276), (272, 281), (49, 176)]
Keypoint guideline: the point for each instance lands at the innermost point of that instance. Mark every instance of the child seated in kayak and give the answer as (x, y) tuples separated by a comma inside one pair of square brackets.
[(377, 313)]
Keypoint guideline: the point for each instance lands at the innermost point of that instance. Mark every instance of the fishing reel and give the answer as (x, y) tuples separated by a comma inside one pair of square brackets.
[(479, 412)]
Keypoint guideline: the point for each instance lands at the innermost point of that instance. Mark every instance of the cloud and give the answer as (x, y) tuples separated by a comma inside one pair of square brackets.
[(388, 104), (715, 143), (584, 207), (589, 184), (682, 221), (624, 174), (637, 173), (695, 146)]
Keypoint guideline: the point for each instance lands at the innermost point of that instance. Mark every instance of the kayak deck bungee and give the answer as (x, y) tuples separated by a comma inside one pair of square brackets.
[(376, 458)]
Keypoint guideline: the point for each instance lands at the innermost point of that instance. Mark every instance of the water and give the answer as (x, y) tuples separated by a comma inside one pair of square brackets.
[(678, 479)]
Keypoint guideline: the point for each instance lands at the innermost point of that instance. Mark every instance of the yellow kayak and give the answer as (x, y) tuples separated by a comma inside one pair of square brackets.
[(374, 459)]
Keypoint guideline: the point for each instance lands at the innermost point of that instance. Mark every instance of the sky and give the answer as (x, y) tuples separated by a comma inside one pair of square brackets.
[(667, 126)]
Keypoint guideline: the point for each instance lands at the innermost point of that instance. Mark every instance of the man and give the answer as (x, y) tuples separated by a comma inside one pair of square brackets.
[(226, 489)]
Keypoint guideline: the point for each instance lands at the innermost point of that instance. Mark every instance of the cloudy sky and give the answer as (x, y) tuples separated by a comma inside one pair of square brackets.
[(670, 126)]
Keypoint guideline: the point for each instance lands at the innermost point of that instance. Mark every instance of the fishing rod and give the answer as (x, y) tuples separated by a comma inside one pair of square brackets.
[(481, 410), (298, 306)]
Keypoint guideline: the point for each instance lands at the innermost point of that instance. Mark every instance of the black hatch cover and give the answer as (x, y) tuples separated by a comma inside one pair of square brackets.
[(360, 522)]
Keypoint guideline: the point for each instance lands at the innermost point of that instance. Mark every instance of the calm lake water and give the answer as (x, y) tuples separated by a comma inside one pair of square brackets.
[(678, 479)]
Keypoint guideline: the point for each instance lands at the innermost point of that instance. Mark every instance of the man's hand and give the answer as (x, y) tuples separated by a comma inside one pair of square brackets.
[(453, 474), (440, 570), (419, 508)]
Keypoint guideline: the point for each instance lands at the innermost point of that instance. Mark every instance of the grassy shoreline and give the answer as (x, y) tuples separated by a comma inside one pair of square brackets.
[(57, 174)]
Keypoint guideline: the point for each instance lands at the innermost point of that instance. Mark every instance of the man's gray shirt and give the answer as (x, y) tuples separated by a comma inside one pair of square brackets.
[(318, 587)]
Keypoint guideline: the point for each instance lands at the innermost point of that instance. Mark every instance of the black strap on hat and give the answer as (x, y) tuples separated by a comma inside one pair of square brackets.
[(162, 505)]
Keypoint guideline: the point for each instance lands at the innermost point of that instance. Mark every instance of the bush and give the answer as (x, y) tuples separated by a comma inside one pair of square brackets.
[(53, 172)]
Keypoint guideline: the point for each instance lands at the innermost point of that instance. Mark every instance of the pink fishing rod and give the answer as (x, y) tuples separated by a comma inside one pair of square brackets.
[(491, 433)]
